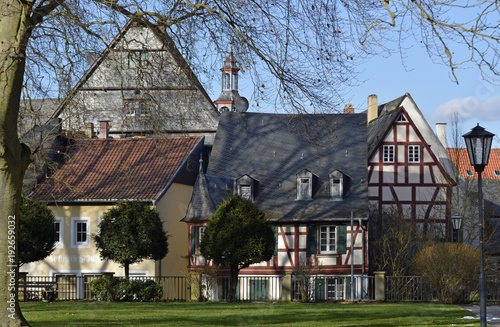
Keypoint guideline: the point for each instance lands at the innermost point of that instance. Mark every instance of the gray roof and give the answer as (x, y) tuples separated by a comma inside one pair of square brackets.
[(272, 149), (378, 127)]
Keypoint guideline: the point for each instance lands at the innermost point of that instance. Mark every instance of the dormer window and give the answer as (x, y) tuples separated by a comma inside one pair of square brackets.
[(246, 187), (469, 173), (497, 173), (338, 185), (304, 185)]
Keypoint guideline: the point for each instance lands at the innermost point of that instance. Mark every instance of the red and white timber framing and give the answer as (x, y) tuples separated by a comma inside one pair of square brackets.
[(292, 250), (421, 190)]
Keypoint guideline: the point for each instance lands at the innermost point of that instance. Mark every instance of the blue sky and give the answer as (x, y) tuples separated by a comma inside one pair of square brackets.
[(436, 94)]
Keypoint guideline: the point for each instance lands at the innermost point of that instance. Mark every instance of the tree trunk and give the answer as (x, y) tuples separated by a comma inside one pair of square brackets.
[(15, 28), (233, 283), (126, 266)]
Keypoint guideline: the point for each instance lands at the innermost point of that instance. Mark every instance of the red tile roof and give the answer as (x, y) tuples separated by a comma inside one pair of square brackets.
[(116, 169), (461, 159)]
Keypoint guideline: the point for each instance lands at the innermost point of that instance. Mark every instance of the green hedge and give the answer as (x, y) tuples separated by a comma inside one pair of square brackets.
[(119, 289)]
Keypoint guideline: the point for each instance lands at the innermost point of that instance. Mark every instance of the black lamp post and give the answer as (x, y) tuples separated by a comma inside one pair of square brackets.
[(478, 143), (456, 223)]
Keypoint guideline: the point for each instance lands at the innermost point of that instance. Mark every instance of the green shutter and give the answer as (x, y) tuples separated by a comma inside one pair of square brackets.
[(342, 239), (275, 229), (319, 289), (193, 239), (312, 239)]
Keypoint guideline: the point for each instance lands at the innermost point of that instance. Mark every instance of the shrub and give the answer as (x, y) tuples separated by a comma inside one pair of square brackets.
[(119, 289), (452, 269)]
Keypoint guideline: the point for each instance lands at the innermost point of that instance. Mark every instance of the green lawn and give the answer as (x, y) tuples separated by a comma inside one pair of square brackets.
[(243, 314)]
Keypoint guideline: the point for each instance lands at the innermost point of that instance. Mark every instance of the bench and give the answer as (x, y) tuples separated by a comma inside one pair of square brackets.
[(30, 294)]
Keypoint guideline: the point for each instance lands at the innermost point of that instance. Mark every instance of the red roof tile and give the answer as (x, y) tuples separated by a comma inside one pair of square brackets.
[(461, 159), (116, 169)]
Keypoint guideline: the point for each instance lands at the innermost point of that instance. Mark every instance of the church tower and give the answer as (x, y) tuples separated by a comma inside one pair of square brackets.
[(230, 99)]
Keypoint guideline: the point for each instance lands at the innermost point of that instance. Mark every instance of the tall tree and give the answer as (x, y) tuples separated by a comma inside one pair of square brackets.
[(299, 53), (131, 232), (238, 235), (36, 235)]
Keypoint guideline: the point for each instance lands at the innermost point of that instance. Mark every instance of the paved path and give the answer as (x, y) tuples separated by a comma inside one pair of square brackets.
[(492, 313)]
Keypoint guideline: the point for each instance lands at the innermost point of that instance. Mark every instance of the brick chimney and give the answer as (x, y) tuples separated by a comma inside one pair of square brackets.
[(103, 129), (441, 133), (89, 130), (372, 107), (349, 109)]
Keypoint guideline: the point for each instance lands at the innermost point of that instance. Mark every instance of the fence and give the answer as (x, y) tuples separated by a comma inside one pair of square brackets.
[(73, 287), (408, 288), (328, 288), (414, 288)]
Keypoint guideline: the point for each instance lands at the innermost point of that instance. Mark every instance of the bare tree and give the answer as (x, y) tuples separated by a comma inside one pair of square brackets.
[(300, 53)]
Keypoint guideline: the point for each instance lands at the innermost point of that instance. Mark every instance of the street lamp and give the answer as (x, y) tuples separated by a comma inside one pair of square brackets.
[(478, 143), (456, 222)]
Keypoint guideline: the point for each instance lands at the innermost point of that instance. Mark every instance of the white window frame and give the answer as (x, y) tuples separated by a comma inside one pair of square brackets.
[(60, 242), (413, 153), (325, 234), (469, 173), (200, 230), (388, 153), (304, 188), (246, 192), (138, 59), (74, 242)]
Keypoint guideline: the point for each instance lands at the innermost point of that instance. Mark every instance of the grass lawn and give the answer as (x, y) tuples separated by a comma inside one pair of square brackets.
[(243, 314)]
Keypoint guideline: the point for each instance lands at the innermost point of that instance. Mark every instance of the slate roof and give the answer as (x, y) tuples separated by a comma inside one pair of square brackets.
[(272, 149), (169, 46), (461, 159), (122, 169)]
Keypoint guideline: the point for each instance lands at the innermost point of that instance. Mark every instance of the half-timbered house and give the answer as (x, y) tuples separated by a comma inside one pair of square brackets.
[(307, 173), (409, 170)]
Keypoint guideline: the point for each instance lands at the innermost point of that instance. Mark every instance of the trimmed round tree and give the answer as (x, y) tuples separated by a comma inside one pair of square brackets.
[(131, 232), (36, 235), (238, 235)]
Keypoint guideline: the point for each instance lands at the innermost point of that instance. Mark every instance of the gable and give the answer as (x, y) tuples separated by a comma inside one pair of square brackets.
[(141, 66)]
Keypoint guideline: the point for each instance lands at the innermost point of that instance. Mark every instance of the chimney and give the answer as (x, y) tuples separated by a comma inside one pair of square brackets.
[(89, 130), (372, 107), (103, 129), (349, 109), (441, 133)]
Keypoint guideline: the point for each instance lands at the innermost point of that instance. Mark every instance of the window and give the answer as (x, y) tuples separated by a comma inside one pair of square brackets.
[(413, 153), (497, 173), (338, 183), (327, 239), (245, 187), (58, 227), (304, 185), (197, 233), (402, 118), (80, 232), (388, 153), (136, 107), (137, 59), (469, 173), (245, 192)]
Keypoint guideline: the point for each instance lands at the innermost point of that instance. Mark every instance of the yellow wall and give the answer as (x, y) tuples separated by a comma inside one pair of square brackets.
[(172, 208)]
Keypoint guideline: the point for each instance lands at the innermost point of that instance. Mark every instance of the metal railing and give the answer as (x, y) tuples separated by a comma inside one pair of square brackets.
[(408, 288), (328, 288), (73, 287)]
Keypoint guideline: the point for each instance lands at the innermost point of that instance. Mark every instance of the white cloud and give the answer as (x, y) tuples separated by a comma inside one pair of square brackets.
[(468, 108)]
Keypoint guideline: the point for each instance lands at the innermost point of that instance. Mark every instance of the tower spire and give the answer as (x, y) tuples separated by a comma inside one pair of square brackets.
[(230, 99)]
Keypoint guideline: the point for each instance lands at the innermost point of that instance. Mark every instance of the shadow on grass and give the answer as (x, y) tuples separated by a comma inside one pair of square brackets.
[(242, 314)]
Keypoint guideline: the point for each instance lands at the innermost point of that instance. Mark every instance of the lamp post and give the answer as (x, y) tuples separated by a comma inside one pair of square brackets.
[(456, 223), (478, 143)]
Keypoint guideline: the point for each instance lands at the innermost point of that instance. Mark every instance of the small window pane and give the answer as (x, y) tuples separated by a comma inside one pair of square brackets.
[(388, 155)]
